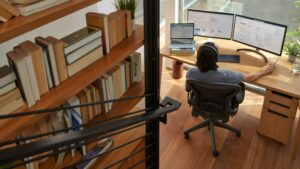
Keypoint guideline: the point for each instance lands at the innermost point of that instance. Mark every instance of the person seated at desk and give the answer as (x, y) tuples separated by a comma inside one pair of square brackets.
[(207, 69)]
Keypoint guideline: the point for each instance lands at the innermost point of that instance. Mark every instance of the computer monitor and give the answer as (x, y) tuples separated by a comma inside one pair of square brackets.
[(260, 34), (211, 24)]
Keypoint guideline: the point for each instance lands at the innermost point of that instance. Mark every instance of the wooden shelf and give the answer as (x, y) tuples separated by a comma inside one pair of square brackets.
[(75, 84), (23, 24), (118, 108)]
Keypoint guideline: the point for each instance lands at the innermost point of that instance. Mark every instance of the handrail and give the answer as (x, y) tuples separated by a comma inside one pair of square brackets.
[(20, 152)]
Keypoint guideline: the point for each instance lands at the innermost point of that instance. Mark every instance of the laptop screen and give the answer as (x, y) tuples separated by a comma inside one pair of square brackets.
[(182, 31)]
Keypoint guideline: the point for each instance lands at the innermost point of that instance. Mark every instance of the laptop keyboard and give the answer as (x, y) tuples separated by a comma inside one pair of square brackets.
[(182, 46)]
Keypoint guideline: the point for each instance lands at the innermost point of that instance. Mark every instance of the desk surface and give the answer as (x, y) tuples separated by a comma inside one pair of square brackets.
[(281, 80)]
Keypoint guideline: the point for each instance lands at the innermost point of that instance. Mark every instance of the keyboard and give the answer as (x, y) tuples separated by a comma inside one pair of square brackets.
[(229, 58), (182, 46)]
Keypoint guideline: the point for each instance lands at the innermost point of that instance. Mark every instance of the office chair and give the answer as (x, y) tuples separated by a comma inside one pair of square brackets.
[(215, 102)]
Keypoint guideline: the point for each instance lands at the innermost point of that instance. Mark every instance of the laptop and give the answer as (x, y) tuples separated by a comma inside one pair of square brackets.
[(182, 36)]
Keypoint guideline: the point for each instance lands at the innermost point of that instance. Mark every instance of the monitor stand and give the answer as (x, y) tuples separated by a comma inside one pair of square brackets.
[(255, 51)]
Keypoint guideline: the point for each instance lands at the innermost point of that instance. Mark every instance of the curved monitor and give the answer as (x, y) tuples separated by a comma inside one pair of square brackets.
[(259, 34), (211, 24)]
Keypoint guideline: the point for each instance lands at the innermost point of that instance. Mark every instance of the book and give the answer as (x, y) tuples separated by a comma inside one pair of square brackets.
[(112, 25), (7, 88), (128, 24), (104, 93), (100, 92), (58, 46), (74, 101), (79, 38), (5, 5), (88, 96), (50, 56), (92, 90), (84, 109), (7, 75), (102, 146), (97, 99), (68, 122), (136, 67), (14, 102), (57, 120), (121, 20), (85, 61), (31, 8), (77, 121), (31, 72), (123, 78), (38, 63), (4, 15), (116, 74), (128, 73), (27, 133), (10, 107), (83, 50), (9, 97), (99, 20), (109, 84), (23, 83)]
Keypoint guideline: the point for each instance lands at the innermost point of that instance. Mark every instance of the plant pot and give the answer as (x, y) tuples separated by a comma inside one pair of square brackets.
[(133, 25), (177, 69), (296, 66), (291, 58)]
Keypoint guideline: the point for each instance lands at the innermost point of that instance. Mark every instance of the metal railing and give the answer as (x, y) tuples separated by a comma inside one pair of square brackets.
[(89, 134)]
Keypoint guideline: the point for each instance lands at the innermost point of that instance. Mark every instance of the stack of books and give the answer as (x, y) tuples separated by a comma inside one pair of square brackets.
[(82, 48), (115, 27), (39, 67), (115, 82), (28, 7), (10, 95), (7, 11)]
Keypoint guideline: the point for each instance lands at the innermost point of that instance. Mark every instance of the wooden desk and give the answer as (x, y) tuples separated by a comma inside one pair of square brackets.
[(282, 88)]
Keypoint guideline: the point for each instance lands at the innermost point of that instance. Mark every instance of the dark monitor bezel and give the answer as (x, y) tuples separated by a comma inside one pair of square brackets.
[(221, 13), (181, 24), (268, 22)]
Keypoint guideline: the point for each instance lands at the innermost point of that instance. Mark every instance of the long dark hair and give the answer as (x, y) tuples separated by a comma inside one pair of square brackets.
[(207, 57)]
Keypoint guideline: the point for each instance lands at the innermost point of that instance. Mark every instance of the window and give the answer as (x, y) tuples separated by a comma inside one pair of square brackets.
[(279, 11)]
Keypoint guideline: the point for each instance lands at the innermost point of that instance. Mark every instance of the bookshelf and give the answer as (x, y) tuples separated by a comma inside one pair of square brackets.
[(120, 107), (23, 24), (75, 84), (70, 87)]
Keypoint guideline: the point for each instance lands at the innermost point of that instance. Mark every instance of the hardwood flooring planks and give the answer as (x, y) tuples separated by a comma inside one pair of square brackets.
[(250, 151)]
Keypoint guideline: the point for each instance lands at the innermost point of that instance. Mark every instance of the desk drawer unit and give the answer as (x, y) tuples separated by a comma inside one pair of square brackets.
[(278, 115)]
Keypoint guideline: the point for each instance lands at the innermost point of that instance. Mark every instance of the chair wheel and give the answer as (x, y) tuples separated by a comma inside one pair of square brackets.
[(186, 136), (215, 153), (238, 134)]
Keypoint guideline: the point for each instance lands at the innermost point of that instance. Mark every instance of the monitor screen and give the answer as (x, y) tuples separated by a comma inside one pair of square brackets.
[(260, 34), (211, 24), (182, 31)]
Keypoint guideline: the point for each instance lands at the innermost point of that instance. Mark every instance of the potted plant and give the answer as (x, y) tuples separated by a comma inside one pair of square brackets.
[(130, 5), (293, 50)]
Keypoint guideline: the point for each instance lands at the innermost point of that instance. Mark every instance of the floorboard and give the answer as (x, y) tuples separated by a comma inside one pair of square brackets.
[(250, 151)]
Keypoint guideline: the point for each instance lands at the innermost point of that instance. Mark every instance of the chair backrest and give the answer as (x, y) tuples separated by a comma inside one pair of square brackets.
[(212, 100)]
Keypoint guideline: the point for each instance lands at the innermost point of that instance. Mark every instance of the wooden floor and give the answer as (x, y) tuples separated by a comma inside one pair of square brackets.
[(250, 151)]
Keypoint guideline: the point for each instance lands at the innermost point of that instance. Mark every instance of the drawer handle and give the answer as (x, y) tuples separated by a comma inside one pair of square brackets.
[(288, 107), (281, 94), (276, 113)]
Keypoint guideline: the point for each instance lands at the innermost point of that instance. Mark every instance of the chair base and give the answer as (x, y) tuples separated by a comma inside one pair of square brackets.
[(210, 124)]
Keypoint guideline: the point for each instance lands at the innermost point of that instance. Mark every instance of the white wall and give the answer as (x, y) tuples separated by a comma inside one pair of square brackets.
[(58, 28)]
